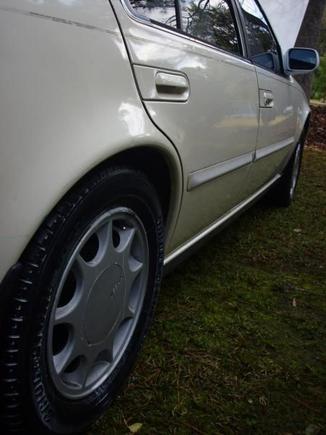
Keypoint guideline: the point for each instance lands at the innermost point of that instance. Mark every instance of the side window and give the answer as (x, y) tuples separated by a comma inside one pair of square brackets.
[(211, 21), (261, 43), (161, 11)]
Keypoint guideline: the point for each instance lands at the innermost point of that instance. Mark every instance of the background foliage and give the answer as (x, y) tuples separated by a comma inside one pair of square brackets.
[(319, 82)]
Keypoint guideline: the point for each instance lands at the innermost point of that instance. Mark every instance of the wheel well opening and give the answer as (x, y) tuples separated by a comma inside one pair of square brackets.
[(155, 166)]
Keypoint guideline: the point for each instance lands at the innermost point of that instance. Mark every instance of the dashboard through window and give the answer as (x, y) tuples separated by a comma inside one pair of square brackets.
[(262, 46), (161, 11)]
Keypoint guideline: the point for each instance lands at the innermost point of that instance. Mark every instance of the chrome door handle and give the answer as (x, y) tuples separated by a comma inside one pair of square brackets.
[(171, 82), (266, 99), (175, 85), (162, 85)]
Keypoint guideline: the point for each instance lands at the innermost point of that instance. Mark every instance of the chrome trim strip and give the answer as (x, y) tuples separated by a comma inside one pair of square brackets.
[(205, 175), (219, 222), (270, 149)]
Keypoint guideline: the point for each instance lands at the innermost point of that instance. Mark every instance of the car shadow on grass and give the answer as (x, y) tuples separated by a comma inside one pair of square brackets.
[(238, 340)]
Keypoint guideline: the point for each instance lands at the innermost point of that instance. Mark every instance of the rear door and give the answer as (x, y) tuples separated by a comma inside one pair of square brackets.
[(277, 117), (201, 92)]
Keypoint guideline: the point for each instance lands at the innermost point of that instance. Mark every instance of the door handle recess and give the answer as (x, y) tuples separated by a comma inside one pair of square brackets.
[(266, 99), (159, 85), (174, 85), (171, 83)]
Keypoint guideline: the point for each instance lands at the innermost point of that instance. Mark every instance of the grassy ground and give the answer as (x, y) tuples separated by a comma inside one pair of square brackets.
[(238, 344)]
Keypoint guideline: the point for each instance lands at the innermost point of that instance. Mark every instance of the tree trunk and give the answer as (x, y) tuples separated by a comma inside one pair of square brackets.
[(309, 35)]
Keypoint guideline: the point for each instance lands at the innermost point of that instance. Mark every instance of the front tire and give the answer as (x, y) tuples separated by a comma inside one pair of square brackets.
[(83, 304)]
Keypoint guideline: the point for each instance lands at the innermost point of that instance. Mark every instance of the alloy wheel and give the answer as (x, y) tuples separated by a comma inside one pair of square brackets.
[(98, 303)]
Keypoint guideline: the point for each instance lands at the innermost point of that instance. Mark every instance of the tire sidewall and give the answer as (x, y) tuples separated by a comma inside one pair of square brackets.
[(121, 188)]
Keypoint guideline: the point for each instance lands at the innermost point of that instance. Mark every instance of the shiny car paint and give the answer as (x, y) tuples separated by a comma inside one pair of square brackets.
[(77, 88), (65, 107)]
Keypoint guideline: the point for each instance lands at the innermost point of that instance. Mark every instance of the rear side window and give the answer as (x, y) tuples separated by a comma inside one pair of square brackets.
[(211, 21), (262, 46), (160, 11)]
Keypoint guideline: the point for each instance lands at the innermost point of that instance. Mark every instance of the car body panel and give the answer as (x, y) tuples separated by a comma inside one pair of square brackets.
[(83, 13), (276, 135), (214, 126), (64, 108), (280, 126), (69, 101), (97, 104)]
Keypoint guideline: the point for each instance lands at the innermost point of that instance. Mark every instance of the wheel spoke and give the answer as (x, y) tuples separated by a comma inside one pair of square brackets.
[(86, 356), (127, 236), (132, 271), (67, 314), (108, 253), (93, 358), (85, 272), (73, 350), (87, 365), (76, 378), (106, 348), (72, 312), (134, 266)]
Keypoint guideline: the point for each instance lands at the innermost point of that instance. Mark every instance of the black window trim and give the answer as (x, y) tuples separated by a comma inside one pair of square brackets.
[(239, 28), (178, 14), (178, 31), (279, 73)]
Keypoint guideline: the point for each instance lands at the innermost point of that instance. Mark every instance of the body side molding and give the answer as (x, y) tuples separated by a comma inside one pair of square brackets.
[(210, 173), (205, 175), (273, 148), (220, 222)]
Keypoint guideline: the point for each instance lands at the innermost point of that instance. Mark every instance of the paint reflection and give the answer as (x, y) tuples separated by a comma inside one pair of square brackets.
[(133, 118)]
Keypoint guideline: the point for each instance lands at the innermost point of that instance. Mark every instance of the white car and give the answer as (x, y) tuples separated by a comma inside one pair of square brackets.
[(129, 131)]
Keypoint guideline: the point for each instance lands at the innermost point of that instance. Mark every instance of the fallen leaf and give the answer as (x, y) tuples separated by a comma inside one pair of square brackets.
[(263, 401), (134, 428)]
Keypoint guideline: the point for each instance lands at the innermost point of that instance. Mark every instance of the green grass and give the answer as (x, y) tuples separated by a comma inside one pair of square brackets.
[(238, 343)]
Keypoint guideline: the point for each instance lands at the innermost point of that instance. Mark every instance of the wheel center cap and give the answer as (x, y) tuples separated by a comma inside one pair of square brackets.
[(104, 304)]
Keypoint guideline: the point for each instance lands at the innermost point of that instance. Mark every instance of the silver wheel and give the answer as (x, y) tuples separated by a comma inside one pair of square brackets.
[(295, 170), (98, 303)]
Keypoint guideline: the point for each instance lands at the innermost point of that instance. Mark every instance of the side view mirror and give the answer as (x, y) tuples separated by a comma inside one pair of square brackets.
[(266, 60), (301, 61)]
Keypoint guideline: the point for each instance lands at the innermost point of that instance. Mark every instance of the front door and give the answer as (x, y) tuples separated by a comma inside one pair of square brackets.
[(201, 92), (277, 123)]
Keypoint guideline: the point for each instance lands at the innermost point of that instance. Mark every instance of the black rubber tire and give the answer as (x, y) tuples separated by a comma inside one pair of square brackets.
[(29, 401), (281, 194)]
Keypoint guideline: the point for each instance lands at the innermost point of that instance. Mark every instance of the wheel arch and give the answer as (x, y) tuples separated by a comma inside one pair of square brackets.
[(306, 125), (162, 168), (157, 167)]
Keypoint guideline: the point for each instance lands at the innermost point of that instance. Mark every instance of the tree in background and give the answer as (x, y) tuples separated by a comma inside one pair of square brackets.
[(309, 35), (323, 35), (319, 80)]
